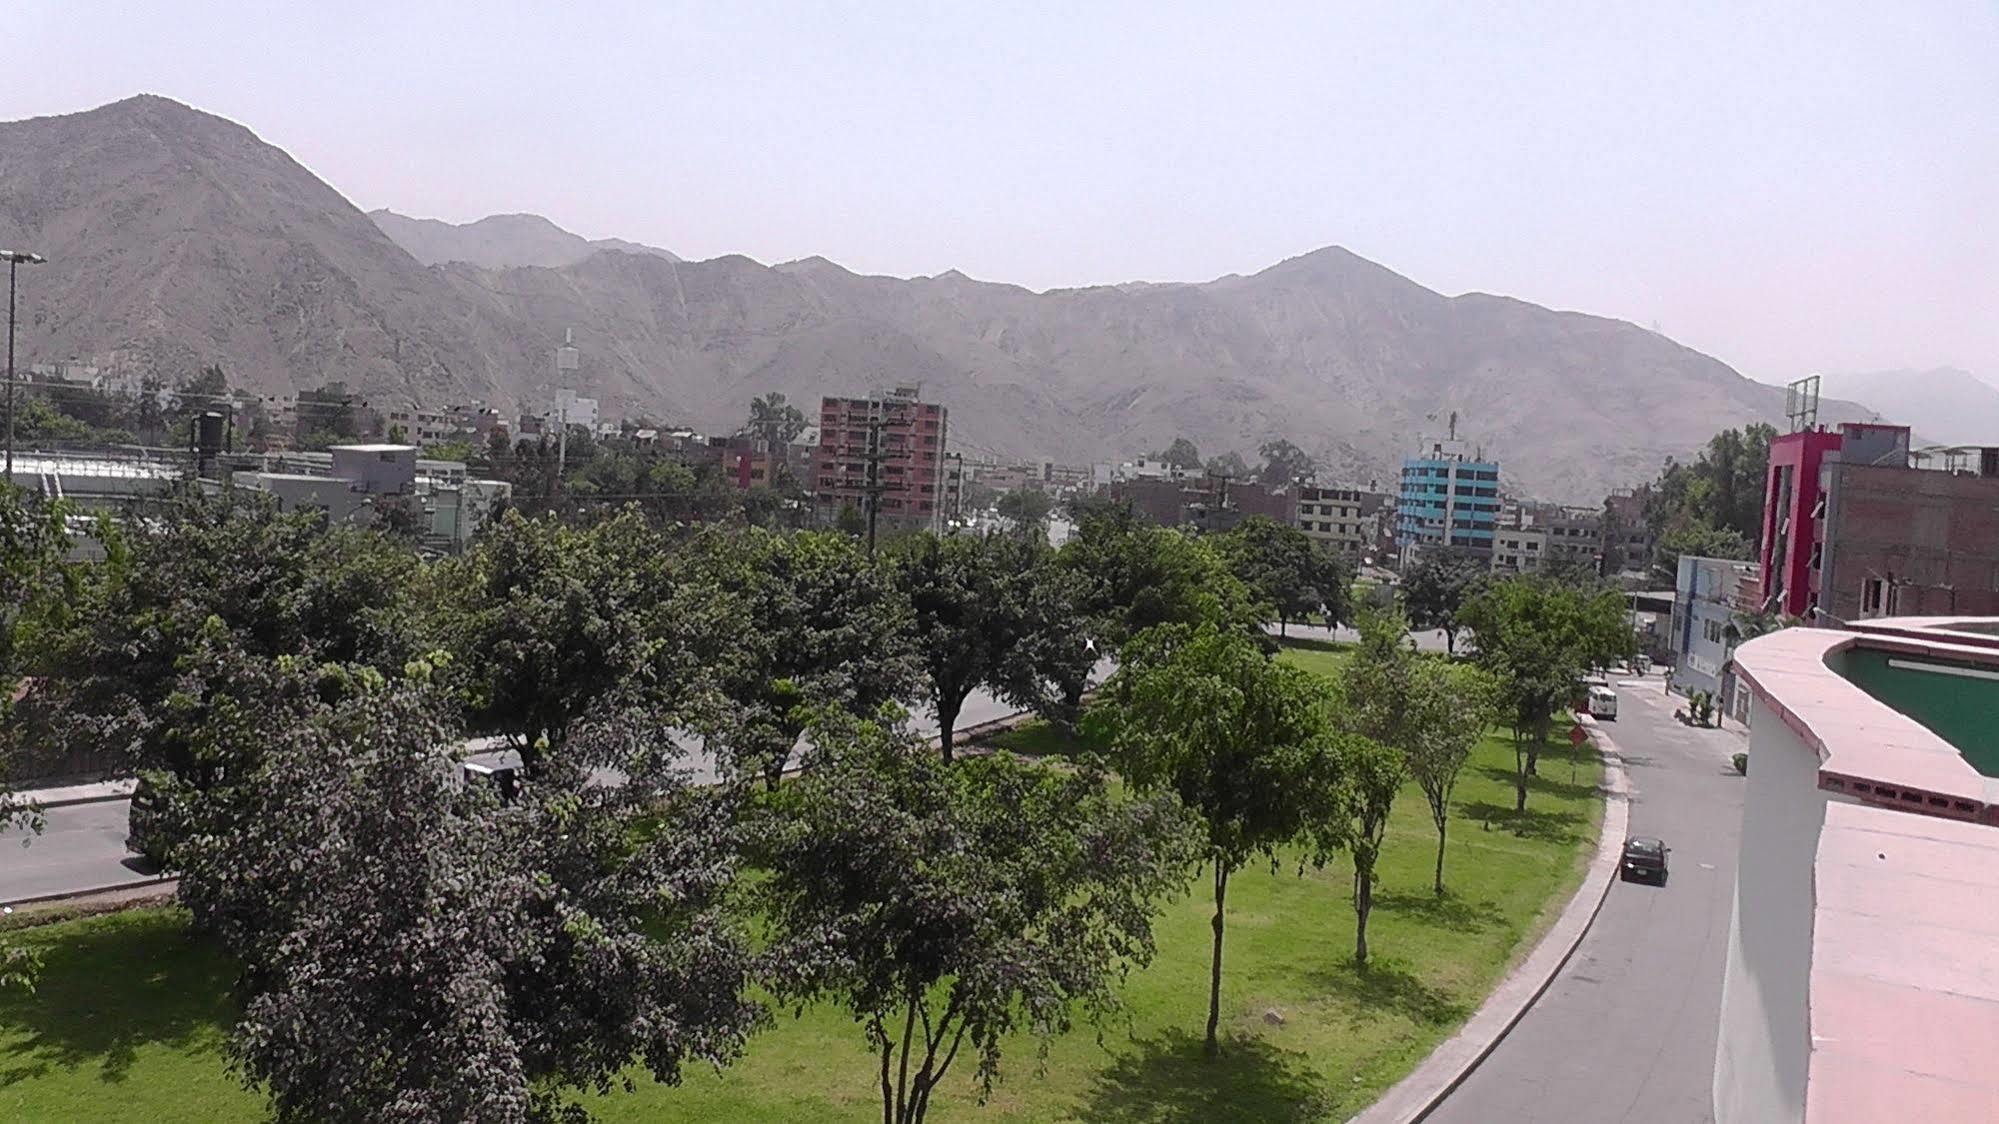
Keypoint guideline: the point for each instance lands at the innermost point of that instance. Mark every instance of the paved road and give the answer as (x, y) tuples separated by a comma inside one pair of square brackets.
[(83, 846), (1431, 641), (1627, 1030)]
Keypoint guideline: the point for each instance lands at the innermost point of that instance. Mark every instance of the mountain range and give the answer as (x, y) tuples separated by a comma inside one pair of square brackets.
[(1944, 404), (178, 238), (499, 241)]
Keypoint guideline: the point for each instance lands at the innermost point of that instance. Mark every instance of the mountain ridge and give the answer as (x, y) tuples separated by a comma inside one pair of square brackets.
[(501, 241), (1941, 404), (177, 238)]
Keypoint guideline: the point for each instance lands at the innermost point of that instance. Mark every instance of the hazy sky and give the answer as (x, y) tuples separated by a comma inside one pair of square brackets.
[(1789, 188)]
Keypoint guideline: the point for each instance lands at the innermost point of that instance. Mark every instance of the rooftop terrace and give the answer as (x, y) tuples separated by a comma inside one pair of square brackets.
[(1903, 997)]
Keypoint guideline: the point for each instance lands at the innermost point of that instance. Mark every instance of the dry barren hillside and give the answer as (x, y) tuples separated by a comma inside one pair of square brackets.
[(178, 238)]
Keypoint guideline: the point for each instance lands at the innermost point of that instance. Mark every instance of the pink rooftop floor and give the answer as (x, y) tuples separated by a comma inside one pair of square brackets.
[(1904, 999)]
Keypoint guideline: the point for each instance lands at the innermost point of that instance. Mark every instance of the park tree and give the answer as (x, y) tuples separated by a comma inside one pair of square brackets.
[(202, 572), (35, 588), (1373, 774), (34, 595), (548, 617), (819, 623), (994, 612), (1133, 576), (1537, 638), (1027, 508), (1284, 463), (1375, 687), (410, 948), (1243, 741), (1180, 454), (1436, 586), (1284, 569), (947, 907), (1450, 707)]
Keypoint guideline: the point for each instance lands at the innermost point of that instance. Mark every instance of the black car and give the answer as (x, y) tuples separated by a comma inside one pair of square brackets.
[(1644, 860)]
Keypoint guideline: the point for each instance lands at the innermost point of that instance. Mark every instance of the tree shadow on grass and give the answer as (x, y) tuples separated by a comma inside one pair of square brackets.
[(1534, 823), (109, 987), (1448, 910), (1383, 985), (1165, 1079), (1042, 739), (1546, 781)]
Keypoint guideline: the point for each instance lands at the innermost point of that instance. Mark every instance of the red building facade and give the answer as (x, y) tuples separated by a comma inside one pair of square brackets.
[(904, 438), (1791, 493), (1852, 529)]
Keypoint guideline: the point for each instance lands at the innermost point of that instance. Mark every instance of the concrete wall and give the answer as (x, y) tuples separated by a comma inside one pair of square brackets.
[(1931, 537), (1764, 1048)]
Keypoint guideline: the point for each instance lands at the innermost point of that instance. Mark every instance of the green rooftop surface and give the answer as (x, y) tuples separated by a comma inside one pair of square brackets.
[(1955, 700)]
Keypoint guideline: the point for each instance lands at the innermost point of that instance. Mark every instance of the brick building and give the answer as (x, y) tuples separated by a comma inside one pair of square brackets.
[(1853, 529), (905, 438), (1205, 503)]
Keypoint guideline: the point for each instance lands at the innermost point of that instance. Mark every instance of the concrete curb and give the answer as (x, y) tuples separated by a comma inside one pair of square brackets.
[(71, 801), (1419, 1094), (98, 793), (164, 885)]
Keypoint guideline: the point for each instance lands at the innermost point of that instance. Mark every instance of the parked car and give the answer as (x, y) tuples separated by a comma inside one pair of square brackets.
[(1603, 703), (1644, 860)]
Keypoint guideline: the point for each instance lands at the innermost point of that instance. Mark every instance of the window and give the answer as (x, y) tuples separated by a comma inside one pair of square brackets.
[(1871, 596)]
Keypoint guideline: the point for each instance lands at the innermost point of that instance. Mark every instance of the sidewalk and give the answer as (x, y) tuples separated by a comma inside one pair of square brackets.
[(94, 792)]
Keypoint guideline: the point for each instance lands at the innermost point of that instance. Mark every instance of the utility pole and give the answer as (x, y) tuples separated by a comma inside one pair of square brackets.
[(15, 260), (876, 455), (874, 487)]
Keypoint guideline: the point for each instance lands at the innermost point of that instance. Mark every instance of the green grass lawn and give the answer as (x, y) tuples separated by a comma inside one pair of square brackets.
[(1313, 655), (131, 1012)]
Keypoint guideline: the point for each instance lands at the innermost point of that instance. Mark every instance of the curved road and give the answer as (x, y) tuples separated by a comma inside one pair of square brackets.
[(83, 845), (1626, 1031)]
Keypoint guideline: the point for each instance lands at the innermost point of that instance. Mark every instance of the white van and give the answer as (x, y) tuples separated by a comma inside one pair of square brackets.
[(1603, 703)]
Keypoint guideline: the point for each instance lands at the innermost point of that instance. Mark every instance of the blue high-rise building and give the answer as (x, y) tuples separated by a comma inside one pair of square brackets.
[(1449, 497)]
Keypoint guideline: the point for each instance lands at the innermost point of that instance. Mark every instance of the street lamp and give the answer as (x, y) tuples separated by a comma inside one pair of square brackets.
[(15, 259)]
